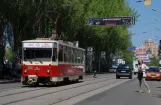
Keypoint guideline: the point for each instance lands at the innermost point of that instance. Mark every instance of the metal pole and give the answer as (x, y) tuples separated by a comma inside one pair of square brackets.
[(99, 61)]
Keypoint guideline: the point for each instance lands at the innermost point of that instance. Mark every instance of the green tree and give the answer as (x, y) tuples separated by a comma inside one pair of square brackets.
[(9, 54)]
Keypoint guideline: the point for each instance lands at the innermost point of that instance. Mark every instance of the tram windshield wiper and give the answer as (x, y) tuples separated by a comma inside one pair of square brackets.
[(40, 61), (29, 60)]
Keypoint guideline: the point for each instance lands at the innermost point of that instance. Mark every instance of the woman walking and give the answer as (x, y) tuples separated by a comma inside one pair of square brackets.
[(142, 74)]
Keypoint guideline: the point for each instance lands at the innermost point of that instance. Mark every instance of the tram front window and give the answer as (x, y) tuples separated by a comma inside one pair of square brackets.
[(37, 54)]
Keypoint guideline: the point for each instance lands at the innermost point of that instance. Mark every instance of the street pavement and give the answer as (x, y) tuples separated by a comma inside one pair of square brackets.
[(57, 95), (7, 84), (9, 81), (127, 94), (10, 85), (73, 93)]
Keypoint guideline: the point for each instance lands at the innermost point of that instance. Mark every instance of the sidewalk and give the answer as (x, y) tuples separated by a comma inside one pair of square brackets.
[(3, 81)]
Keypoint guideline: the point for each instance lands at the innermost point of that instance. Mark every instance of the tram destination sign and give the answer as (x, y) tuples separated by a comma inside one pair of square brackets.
[(112, 21), (37, 45)]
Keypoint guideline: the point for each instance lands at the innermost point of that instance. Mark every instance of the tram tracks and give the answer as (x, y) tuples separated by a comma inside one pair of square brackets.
[(58, 97), (22, 90), (57, 91), (42, 87), (30, 90), (59, 101)]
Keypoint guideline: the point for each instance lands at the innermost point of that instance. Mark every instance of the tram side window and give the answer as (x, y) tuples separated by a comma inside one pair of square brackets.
[(79, 56), (54, 57), (83, 56), (75, 55), (72, 55), (60, 53), (69, 54), (65, 54)]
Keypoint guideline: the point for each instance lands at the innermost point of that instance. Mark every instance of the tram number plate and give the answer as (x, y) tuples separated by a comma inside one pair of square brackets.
[(32, 76)]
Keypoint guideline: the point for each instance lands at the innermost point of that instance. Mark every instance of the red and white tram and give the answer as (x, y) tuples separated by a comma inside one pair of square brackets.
[(51, 61)]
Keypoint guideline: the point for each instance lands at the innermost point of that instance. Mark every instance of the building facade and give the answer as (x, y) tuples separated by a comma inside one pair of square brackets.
[(148, 45)]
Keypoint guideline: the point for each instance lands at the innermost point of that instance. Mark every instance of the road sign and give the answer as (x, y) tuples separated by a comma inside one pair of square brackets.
[(128, 20), (132, 48), (89, 53), (103, 54), (90, 49)]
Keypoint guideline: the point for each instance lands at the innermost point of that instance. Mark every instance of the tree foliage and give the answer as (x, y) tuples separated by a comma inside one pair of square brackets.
[(72, 24)]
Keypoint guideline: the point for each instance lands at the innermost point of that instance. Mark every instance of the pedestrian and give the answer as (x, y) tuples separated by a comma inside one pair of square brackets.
[(94, 73), (94, 69), (142, 74)]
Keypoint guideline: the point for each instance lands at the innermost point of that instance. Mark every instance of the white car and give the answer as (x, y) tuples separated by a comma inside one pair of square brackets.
[(113, 69)]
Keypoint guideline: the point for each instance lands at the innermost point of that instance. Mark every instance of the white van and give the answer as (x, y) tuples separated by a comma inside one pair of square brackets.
[(135, 66)]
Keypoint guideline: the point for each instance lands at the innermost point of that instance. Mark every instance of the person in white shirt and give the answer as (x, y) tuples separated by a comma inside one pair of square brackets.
[(142, 74)]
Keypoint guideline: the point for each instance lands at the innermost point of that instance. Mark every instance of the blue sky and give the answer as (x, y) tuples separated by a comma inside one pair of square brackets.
[(146, 22)]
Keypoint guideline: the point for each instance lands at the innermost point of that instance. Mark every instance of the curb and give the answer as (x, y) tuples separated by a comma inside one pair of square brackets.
[(10, 81)]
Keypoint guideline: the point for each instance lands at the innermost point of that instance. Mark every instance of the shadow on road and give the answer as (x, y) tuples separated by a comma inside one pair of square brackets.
[(141, 92), (157, 95), (123, 78), (55, 85)]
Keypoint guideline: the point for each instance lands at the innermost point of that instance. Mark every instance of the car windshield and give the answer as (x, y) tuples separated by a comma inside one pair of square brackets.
[(125, 67), (153, 70)]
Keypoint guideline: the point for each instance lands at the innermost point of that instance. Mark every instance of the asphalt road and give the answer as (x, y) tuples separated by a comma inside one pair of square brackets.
[(61, 95), (127, 94), (10, 85)]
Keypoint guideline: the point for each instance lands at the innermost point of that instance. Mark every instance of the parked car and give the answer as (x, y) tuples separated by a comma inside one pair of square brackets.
[(153, 73), (124, 70), (113, 69)]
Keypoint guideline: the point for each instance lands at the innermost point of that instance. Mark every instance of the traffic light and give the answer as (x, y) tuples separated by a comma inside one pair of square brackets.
[(159, 49)]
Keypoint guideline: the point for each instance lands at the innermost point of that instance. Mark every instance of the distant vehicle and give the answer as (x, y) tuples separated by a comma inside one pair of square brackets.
[(135, 66), (113, 68), (153, 73), (124, 70), (160, 69)]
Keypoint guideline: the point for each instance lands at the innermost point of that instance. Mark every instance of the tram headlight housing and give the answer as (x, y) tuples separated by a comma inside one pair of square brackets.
[(25, 71), (48, 71)]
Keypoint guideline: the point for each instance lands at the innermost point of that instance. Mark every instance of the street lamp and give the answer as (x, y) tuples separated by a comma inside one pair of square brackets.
[(154, 9), (139, 1), (156, 19), (157, 29)]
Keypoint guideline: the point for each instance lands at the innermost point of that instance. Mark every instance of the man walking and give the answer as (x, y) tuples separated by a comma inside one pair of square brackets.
[(94, 69)]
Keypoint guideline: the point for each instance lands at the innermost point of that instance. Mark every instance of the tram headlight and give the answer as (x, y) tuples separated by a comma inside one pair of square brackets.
[(25, 71), (48, 71)]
